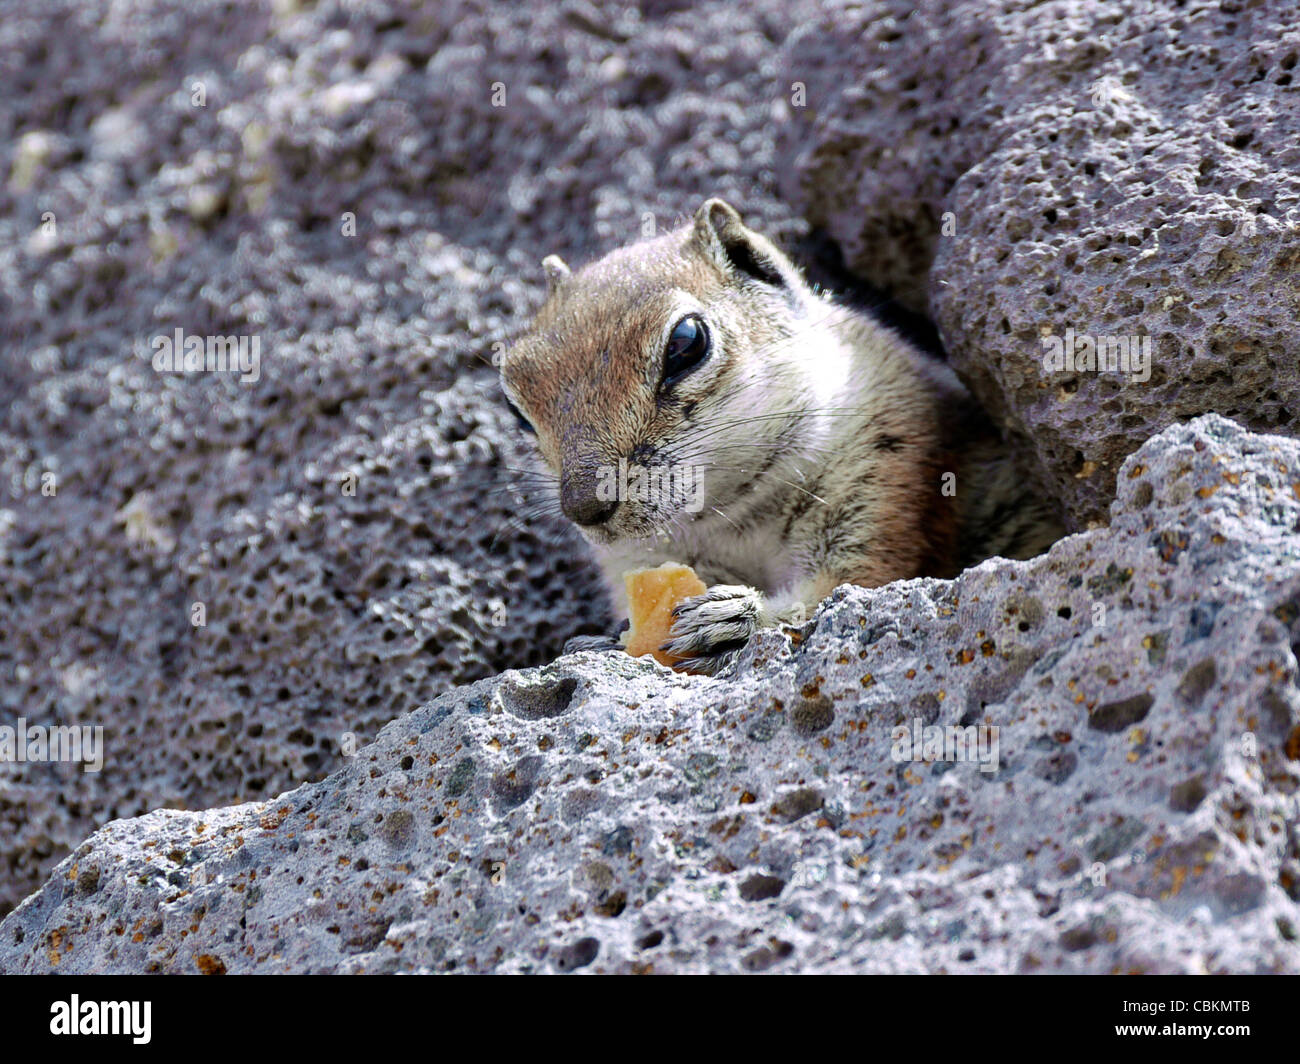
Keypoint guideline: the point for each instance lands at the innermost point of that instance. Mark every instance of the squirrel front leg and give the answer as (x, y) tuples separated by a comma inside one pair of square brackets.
[(711, 630)]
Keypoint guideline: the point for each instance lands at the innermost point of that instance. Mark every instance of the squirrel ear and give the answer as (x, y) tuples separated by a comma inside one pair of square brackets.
[(715, 215), (556, 271), (721, 234)]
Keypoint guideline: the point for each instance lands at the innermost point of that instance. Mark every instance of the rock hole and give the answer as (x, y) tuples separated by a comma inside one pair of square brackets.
[(761, 887), (537, 699), (1116, 716)]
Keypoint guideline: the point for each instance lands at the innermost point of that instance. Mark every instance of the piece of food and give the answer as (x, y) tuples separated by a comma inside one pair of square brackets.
[(651, 596)]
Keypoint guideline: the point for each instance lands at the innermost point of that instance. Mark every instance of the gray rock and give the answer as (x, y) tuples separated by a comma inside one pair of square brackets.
[(193, 164), (1113, 169), (602, 814)]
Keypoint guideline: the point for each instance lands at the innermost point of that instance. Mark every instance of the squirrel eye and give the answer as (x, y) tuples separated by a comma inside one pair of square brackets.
[(524, 423), (688, 346)]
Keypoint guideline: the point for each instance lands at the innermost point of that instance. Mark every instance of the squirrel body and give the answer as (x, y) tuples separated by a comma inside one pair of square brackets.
[(791, 444)]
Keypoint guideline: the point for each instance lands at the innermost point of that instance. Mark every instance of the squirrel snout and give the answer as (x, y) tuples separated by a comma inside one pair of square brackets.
[(582, 503)]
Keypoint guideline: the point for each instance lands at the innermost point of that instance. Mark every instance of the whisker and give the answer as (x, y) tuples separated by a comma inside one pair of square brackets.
[(792, 414), (725, 518), (780, 480)]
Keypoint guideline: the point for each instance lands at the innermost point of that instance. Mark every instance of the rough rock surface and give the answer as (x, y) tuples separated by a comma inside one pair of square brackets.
[(604, 814), (191, 164), (1119, 169)]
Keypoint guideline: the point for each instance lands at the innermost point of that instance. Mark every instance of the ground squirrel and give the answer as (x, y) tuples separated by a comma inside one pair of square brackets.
[(697, 401)]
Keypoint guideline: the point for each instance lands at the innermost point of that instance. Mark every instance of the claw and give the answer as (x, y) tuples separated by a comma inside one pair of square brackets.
[(599, 643), (710, 630)]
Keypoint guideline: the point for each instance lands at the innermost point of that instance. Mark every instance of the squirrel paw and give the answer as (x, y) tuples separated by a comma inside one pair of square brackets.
[(601, 643), (712, 629)]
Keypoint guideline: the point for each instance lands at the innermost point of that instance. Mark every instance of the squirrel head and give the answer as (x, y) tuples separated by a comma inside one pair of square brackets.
[(663, 364)]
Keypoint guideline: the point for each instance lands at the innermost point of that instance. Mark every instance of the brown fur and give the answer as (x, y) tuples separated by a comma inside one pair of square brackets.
[(822, 438)]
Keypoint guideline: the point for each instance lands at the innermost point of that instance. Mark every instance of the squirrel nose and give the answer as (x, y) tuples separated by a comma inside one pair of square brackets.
[(582, 505)]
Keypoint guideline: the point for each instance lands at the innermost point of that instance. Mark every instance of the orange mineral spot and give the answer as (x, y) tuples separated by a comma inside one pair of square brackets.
[(651, 596)]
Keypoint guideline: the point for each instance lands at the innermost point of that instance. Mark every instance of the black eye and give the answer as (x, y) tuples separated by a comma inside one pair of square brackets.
[(688, 346), (524, 423)]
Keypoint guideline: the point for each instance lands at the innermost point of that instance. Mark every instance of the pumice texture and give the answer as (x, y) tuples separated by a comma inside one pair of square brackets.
[(1127, 171), (600, 814)]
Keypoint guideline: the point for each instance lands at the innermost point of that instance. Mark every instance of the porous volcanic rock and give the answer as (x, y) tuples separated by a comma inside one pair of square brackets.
[(337, 182), (604, 814), (1128, 169)]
